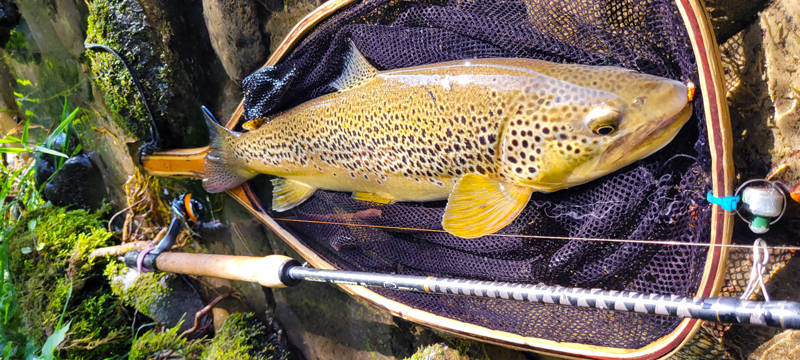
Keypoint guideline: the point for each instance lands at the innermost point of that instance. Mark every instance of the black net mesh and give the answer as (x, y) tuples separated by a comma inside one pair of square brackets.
[(660, 197)]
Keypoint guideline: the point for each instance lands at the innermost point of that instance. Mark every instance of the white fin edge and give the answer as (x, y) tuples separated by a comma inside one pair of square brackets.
[(356, 69)]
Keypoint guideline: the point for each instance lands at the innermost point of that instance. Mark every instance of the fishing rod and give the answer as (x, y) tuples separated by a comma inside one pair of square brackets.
[(278, 271)]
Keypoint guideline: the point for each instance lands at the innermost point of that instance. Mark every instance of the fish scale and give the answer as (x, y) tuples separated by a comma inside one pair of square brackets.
[(482, 133)]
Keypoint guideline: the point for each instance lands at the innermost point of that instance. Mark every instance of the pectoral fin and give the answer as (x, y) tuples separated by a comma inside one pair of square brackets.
[(373, 197), (481, 206), (287, 193)]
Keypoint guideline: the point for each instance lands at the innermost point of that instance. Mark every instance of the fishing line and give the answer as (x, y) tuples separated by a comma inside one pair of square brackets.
[(155, 140), (523, 236)]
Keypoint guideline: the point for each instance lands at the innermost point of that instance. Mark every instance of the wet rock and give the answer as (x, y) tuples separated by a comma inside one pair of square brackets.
[(779, 24), (165, 298), (760, 65), (234, 28), (154, 38), (46, 163), (78, 183), (731, 16), (9, 17), (283, 18), (785, 345), (244, 336), (8, 118)]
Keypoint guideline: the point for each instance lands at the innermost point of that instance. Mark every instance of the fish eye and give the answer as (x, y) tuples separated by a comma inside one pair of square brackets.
[(604, 129), (603, 120)]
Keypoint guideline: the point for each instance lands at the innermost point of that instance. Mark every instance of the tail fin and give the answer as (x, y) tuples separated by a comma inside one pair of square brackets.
[(222, 171)]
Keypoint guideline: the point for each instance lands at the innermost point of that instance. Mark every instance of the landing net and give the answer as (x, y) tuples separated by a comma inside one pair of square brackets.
[(661, 197)]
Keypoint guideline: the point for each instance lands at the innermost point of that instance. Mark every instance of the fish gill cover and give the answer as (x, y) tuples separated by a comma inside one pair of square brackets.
[(660, 197)]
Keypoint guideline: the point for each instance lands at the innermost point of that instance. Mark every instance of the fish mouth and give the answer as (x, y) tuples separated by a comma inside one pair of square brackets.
[(638, 145)]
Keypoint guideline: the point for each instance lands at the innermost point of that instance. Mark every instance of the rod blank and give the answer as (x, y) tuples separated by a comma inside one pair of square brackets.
[(280, 271), (783, 314)]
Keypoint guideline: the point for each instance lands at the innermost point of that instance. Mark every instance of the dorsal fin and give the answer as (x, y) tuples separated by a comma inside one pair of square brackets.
[(356, 69)]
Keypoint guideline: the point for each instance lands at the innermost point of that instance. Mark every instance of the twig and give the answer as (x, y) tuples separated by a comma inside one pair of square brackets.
[(118, 250), (204, 311), (122, 211)]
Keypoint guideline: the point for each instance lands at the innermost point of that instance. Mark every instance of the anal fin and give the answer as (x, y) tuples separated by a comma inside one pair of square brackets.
[(481, 206), (373, 197), (287, 193)]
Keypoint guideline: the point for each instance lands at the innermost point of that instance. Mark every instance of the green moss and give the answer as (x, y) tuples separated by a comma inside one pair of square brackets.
[(243, 336), (437, 351), (155, 344), (49, 267), (18, 46), (143, 293)]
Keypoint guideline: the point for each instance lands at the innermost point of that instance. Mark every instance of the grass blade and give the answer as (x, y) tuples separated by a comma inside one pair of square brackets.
[(49, 151)]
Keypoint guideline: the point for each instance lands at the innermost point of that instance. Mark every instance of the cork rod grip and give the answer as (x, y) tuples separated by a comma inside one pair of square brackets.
[(267, 271)]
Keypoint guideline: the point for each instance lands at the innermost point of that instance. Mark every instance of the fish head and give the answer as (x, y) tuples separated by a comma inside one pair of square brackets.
[(585, 132)]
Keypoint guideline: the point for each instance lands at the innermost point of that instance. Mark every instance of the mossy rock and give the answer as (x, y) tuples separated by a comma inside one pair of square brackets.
[(48, 263), (167, 344), (243, 336), (145, 290), (143, 36), (163, 297)]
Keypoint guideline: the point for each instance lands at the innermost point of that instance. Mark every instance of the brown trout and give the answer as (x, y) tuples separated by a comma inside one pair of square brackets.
[(483, 134)]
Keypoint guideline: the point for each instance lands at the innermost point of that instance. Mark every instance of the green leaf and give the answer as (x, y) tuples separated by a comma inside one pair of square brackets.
[(49, 151), (25, 131), (64, 109), (53, 340), (23, 82), (62, 126), (11, 139), (64, 310)]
